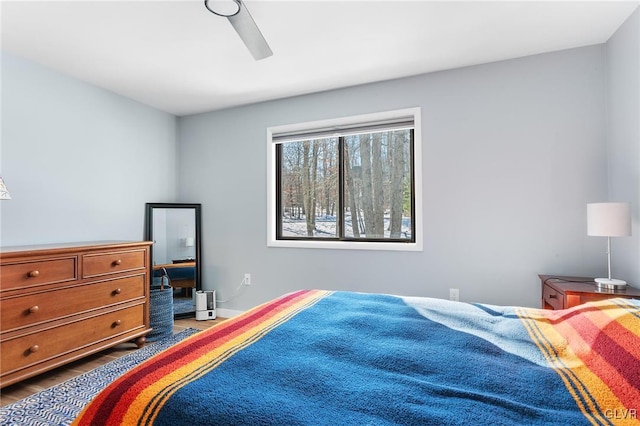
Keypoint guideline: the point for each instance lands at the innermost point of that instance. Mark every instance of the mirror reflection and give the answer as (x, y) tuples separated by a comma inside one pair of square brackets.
[(174, 232), (174, 229)]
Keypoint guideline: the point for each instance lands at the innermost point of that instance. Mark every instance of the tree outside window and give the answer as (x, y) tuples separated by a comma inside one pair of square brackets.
[(353, 187)]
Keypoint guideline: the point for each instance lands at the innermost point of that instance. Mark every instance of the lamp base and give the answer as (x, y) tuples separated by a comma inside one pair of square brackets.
[(610, 284)]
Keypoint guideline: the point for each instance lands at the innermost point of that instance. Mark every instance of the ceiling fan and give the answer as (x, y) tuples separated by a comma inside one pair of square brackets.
[(238, 14)]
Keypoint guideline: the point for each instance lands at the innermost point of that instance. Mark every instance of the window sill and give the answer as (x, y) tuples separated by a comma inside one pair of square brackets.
[(345, 245)]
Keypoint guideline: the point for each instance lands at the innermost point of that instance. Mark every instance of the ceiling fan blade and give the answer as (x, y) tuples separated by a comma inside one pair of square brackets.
[(248, 31)]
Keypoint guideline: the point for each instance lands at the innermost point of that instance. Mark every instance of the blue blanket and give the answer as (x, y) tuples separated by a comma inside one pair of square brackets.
[(351, 358)]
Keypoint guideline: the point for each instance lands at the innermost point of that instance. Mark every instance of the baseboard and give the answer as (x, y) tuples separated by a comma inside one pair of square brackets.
[(227, 313)]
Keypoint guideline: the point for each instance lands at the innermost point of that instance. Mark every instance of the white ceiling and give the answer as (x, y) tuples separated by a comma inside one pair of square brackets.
[(178, 57)]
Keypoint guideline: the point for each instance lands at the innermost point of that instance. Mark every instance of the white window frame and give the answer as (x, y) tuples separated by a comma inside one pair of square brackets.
[(272, 241)]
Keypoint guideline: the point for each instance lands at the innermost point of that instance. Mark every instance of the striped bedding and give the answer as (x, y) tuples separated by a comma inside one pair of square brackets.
[(320, 357)]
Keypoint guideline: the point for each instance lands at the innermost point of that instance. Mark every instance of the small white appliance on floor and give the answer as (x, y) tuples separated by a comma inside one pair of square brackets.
[(205, 305)]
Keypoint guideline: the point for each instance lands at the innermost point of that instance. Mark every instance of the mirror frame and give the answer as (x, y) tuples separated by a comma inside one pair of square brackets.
[(149, 207)]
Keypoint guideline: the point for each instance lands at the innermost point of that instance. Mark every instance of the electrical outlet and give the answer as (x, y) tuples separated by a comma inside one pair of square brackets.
[(247, 279), (454, 294)]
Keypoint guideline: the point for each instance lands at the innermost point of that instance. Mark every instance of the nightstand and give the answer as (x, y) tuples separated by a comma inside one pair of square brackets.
[(562, 292)]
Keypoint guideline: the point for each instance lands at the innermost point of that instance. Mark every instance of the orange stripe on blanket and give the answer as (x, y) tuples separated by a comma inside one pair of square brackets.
[(595, 350), (147, 386), (601, 349), (558, 355), (206, 358), (630, 323)]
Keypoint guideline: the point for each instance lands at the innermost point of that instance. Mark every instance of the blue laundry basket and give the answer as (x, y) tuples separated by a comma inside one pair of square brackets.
[(160, 309)]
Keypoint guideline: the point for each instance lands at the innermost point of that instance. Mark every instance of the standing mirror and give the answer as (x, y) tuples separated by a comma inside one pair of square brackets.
[(174, 229)]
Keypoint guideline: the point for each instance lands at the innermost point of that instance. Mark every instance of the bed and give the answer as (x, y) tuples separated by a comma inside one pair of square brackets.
[(322, 357)]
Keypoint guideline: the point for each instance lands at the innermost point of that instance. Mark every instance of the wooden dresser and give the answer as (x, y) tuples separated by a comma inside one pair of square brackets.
[(62, 302)]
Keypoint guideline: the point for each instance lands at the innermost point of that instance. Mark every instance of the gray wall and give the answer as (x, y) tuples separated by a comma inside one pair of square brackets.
[(623, 139), (512, 153), (79, 161)]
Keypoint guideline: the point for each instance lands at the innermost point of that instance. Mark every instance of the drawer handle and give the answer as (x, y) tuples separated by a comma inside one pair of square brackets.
[(553, 296), (117, 291), (34, 309), (33, 274), (117, 262), (116, 323), (33, 349)]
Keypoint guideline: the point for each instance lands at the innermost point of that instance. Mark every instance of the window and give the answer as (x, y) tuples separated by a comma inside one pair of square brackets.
[(346, 183)]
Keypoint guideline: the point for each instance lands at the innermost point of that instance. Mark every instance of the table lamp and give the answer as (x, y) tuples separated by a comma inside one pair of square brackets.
[(609, 220)]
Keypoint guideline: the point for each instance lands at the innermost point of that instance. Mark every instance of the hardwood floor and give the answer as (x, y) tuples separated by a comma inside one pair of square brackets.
[(43, 381)]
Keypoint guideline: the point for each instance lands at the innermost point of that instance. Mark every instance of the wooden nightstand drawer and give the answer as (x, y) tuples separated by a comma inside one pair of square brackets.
[(35, 308), (94, 265), (28, 274), (553, 297), (26, 350)]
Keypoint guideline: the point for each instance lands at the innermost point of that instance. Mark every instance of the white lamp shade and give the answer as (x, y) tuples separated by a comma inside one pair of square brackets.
[(609, 219)]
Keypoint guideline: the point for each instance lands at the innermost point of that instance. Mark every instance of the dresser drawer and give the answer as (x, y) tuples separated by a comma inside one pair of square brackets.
[(552, 297), (31, 349), (35, 308), (95, 265), (27, 274)]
